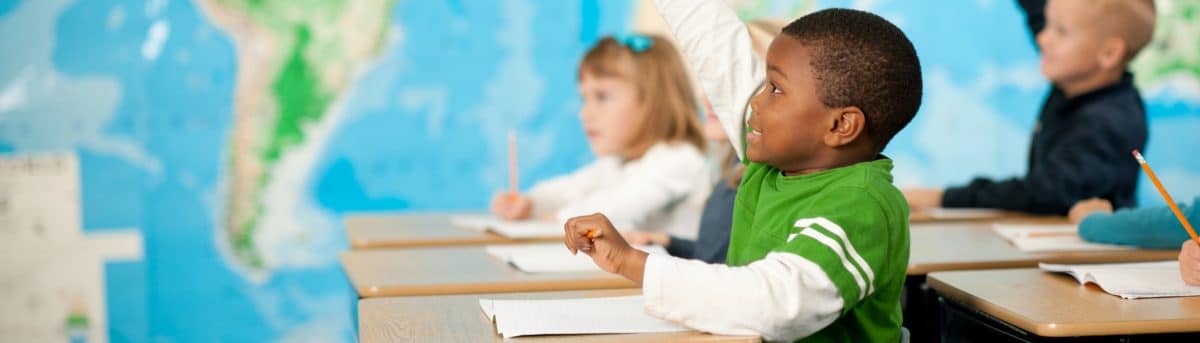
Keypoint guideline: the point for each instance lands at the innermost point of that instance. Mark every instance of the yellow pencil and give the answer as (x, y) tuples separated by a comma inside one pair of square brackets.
[(1170, 202)]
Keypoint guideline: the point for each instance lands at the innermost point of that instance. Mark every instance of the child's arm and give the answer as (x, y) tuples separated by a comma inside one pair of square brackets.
[(663, 177), (717, 47), (1089, 160), (681, 247), (1150, 227), (782, 297), (826, 265), (1035, 17), (551, 195)]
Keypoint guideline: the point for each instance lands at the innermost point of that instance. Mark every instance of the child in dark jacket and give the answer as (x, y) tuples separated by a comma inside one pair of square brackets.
[(1090, 121)]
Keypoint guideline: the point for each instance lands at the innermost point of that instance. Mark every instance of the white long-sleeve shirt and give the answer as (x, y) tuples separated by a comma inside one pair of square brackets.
[(664, 190), (782, 297)]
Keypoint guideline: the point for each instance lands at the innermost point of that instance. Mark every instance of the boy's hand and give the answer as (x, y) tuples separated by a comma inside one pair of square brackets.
[(1084, 208), (646, 238), (595, 236), (1189, 262), (923, 198), (511, 206)]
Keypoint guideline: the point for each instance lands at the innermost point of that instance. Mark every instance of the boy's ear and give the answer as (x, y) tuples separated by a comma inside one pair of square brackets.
[(1112, 53), (848, 124)]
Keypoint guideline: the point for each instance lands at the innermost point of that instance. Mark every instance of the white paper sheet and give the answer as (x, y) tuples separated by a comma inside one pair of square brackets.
[(509, 228), (1130, 280), (1048, 238), (550, 257), (611, 315)]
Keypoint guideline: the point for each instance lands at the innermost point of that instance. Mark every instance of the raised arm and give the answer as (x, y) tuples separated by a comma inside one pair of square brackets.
[(1035, 17), (717, 47)]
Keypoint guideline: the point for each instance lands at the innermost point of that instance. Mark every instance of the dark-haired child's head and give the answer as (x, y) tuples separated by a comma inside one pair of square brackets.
[(840, 84)]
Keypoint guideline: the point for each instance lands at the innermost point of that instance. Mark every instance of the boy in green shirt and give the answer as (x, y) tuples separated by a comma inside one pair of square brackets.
[(819, 243)]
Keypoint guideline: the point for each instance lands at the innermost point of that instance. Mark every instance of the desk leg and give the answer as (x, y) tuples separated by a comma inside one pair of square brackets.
[(920, 310)]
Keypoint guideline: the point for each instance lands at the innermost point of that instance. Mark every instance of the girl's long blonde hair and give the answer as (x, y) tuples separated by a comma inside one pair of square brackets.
[(665, 94)]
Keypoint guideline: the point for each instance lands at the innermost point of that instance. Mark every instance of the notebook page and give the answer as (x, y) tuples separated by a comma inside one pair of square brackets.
[(505, 252), (1133, 280), (1015, 231), (551, 257), (528, 229), (509, 228), (1049, 238), (1066, 269), (611, 315)]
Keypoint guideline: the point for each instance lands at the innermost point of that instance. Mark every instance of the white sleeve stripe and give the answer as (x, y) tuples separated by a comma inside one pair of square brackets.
[(837, 249), (838, 231)]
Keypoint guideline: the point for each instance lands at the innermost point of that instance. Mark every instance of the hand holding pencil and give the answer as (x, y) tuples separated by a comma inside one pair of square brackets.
[(512, 205), (1189, 252), (595, 236), (1166, 196)]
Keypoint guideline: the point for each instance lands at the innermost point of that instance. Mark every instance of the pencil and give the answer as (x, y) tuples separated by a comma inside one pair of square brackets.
[(593, 233), (1170, 202), (513, 177)]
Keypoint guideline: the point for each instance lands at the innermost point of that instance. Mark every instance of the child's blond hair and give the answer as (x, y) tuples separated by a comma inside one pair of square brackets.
[(665, 95), (1130, 20)]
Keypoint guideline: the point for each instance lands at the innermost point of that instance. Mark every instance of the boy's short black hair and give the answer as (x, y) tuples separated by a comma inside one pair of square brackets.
[(860, 59)]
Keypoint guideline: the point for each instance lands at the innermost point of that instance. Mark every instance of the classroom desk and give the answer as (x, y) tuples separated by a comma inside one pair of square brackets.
[(1045, 304), (456, 270), (968, 246), (963, 246), (457, 318), (411, 230)]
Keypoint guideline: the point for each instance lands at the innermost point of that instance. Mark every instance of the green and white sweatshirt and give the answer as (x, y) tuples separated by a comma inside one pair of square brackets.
[(818, 257)]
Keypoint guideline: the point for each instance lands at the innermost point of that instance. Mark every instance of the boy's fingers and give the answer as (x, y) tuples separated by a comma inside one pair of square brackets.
[(1191, 249), (579, 232), (568, 236)]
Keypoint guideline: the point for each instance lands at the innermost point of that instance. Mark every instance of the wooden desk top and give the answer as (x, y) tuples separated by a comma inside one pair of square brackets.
[(410, 230), (457, 318), (1055, 305), (944, 215), (456, 270), (963, 246)]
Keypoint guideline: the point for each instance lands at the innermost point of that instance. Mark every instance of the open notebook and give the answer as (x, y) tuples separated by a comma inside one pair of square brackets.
[(509, 228), (609, 315), (550, 257), (1048, 238), (1130, 280)]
